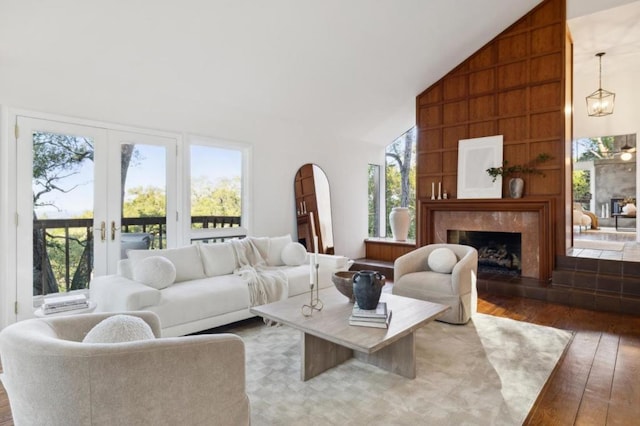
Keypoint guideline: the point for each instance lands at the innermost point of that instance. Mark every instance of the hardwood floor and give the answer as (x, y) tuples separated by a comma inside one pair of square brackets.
[(596, 382)]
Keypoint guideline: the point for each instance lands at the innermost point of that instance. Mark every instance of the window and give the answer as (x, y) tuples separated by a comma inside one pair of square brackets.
[(216, 191), (374, 200), (400, 177)]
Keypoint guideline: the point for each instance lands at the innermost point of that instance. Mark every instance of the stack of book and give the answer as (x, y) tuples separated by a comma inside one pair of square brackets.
[(56, 304), (378, 317)]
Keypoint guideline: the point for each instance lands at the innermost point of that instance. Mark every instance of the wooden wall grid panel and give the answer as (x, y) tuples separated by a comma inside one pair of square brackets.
[(514, 86)]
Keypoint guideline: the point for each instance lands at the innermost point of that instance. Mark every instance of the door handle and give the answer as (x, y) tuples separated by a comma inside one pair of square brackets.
[(113, 230), (103, 230)]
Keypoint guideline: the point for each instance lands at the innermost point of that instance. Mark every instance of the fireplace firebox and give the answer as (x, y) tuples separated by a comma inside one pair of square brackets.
[(498, 252)]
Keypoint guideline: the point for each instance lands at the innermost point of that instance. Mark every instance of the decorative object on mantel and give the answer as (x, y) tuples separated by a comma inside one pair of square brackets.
[(600, 102), (399, 220), (474, 157), (367, 286), (516, 184)]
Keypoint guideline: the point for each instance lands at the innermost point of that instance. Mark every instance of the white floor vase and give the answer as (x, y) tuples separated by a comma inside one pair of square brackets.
[(399, 219)]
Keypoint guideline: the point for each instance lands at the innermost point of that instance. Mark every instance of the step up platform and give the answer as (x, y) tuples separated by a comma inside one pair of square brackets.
[(384, 267), (600, 284)]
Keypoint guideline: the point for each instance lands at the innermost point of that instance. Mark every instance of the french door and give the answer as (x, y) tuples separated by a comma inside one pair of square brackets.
[(84, 195)]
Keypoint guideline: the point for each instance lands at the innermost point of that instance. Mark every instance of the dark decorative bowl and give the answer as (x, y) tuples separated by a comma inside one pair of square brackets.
[(343, 281)]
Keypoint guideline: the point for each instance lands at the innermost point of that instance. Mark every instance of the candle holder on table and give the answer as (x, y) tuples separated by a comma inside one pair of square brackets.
[(315, 304)]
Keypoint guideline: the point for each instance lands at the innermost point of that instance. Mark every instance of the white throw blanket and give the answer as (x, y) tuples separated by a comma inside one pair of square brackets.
[(266, 284)]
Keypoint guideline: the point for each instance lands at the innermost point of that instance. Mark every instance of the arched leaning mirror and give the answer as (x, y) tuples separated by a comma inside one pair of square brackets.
[(313, 208)]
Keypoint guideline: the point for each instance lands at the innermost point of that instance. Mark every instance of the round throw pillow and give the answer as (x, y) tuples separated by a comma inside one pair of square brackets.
[(294, 254), (155, 271), (119, 329), (442, 260)]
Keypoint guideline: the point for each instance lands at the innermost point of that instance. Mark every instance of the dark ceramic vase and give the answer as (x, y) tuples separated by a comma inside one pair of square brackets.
[(367, 286)]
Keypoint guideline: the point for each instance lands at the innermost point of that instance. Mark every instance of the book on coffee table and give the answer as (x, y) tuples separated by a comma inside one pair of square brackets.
[(378, 317), (379, 312), (370, 322)]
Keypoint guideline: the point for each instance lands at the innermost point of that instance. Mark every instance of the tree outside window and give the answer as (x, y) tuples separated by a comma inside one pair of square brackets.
[(400, 176)]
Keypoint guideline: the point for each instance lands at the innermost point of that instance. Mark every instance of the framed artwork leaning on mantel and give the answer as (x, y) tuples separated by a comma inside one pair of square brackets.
[(475, 156)]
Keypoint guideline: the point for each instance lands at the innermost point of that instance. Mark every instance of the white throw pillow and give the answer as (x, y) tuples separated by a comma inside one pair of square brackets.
[(185, 259), (217, 258), (155, 271), (294, 254), (262, 244), (442, 260), (276, 244), (119, 329)]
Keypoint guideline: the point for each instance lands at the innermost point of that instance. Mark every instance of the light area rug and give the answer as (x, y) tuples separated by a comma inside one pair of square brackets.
[(598, 245), (488, 372)]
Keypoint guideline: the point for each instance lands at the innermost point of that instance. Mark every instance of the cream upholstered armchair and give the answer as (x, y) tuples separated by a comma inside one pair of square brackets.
[(580, 217), (416, 275), (52, 378)]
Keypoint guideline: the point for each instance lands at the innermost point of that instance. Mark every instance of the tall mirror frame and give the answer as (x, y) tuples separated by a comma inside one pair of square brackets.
[(313, 208)]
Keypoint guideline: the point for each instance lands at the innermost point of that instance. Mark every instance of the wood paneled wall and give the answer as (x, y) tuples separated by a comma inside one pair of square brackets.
[(515, 86)]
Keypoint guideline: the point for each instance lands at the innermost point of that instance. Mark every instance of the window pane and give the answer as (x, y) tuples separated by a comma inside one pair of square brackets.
[(216, 187), (62, 212), (374, 200), (400, 177), (144, 197)]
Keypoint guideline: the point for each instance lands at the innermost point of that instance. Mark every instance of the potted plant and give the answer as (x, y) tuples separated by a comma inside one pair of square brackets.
[(516, 184)]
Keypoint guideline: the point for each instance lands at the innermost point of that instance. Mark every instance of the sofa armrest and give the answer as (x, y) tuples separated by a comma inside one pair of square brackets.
[(203, 376), (463, 276), (414, 261), (334, 262), (115, 293)]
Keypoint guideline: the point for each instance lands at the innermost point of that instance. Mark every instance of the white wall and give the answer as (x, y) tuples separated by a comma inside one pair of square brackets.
[(626, 115)]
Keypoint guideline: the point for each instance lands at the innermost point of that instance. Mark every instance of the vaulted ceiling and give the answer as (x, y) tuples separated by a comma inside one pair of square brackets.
[(345, 69)]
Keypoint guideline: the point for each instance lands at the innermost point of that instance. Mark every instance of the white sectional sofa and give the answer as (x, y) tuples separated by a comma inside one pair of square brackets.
[(206, 292)]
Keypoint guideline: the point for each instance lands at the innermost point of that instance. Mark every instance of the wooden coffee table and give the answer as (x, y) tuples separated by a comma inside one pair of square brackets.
[(328, 339)]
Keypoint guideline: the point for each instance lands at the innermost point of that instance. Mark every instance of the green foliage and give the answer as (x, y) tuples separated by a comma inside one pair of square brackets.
[(222, 199), (373, 198), (147, 201), (581, 184), (56, 252), (519, 169), (593, 148), (55, 158)]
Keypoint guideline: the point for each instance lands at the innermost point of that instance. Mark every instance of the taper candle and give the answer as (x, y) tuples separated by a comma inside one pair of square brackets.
[(433, 190), (312, 268), (315, 245)]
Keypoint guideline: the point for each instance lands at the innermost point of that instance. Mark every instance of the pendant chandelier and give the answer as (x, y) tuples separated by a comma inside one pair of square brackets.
[(600, 102)]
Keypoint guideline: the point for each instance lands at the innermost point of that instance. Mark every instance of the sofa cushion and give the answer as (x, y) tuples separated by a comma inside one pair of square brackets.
[(274, 252), (262, 244), (185, 259), (155, 271), (294, 254), (217, 258), (119, 329), (298, 278), (199, 299), (442, 260)]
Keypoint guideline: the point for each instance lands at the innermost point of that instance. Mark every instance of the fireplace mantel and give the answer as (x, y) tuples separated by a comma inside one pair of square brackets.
[(530, 215)]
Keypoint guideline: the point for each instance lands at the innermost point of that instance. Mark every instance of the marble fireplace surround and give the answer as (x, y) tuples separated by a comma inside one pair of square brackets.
[(529, 217)]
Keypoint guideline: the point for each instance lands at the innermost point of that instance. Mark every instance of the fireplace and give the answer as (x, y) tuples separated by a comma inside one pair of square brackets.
[(498, 252), (530, 217)]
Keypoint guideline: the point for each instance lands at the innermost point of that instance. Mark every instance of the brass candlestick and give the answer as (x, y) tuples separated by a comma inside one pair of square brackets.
[(315, 304)]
